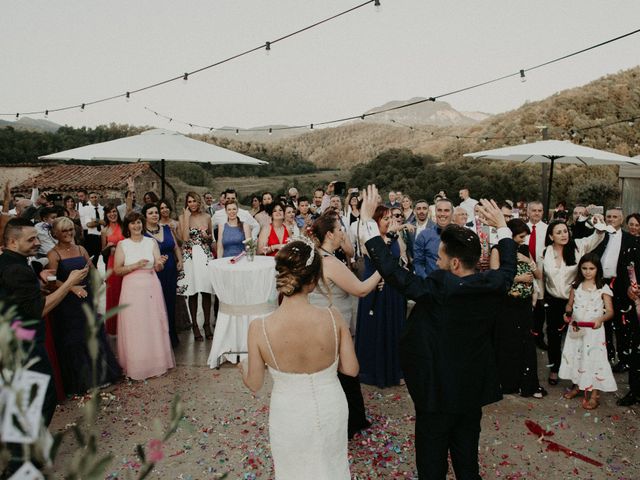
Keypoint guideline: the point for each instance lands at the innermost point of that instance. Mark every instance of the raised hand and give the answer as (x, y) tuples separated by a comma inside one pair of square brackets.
[(490, 214), (369, 203)]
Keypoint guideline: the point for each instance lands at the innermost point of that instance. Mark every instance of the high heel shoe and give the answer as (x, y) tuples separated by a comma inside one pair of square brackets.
[(197, 336), (207, 331)]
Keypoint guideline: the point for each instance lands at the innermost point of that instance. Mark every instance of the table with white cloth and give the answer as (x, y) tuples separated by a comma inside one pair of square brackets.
[(246, 290)]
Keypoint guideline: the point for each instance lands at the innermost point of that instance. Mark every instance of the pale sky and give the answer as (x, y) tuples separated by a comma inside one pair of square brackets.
[(59, 53)]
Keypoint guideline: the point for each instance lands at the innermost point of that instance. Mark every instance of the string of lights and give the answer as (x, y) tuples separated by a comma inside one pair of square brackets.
[(185, 76), (521, 73), (572, 132)]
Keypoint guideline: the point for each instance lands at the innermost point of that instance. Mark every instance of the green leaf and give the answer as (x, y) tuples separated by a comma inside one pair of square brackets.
[(16, 423), (57, 441), (33, 393), (98, 469), (140, 453)]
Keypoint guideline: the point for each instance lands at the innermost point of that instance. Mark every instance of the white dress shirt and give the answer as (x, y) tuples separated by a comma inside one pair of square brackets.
[(220, 218), (88, 214), (558, 279), (611, 255), (469, 205)]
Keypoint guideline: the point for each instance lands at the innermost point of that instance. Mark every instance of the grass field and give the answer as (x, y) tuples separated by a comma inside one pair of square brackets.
[(249, 185)]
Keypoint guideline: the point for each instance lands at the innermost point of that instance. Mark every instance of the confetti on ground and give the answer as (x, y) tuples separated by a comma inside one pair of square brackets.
[(225, 430)]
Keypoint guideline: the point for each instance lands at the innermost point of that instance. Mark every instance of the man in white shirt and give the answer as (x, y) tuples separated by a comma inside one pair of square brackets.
[(467, 202), (614, 255), (536, 249), (220, 216), (92, 220)]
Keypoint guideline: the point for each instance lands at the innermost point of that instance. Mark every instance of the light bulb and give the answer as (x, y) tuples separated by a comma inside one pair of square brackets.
[(237, 132), (128, 97), (271, 131), (185, 77), (82, 107), (522, 77), (267, 47), (376, 4), (46, 114)]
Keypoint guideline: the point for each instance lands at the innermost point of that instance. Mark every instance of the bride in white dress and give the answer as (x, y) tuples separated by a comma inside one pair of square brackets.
[(303, 346)]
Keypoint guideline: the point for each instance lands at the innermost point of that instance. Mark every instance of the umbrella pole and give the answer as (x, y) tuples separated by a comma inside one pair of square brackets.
[(162, 177), (548, 205)]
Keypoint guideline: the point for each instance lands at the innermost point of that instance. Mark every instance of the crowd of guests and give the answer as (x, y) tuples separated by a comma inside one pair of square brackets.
[(573, 274)]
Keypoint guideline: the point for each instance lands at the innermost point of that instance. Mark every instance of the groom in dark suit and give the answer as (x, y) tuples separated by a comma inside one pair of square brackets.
[(446, 348)]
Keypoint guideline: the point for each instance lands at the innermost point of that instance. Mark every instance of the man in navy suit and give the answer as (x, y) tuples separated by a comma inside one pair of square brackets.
[(446, 350)]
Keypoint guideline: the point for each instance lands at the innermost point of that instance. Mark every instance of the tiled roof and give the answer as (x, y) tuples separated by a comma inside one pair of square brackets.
[(73, 177)]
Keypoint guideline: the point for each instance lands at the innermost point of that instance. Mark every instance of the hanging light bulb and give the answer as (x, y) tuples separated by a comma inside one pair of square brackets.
[(376, 3), (484, 140), (524, 139), (46, 114), (631, 122), (82, 107), (270, 131), (127, 97), (311, 126), (267, 47), (185, 77), (17, 116), (522, 77), (237, 132)]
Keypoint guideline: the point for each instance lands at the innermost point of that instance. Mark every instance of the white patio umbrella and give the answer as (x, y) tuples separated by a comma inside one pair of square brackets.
[(552, 152), (156, 145)]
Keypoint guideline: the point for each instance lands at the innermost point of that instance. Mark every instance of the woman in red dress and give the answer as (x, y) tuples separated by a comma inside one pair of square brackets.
[(111, 235), (274, 236)]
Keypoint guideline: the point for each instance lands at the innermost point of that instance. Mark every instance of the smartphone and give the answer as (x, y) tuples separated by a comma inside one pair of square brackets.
[(339, 188), (54, 197), (596, 210)]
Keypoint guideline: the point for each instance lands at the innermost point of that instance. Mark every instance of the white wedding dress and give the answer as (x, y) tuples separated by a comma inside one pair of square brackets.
[(308, 422)]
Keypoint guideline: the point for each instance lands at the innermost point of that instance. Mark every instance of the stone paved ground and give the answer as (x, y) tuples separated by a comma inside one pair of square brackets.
[(225, 430)]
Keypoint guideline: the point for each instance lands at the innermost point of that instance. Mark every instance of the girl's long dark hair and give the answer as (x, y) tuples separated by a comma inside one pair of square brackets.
[(591, 258), (569, 250)]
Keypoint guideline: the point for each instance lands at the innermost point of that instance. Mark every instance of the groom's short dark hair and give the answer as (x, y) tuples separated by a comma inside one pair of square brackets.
[(461, 243)]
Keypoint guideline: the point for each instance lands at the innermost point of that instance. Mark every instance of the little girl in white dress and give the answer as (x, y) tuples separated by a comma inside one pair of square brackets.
[(584, 357)]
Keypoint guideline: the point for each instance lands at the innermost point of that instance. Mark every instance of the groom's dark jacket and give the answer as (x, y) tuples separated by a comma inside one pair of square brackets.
[(446, 349)]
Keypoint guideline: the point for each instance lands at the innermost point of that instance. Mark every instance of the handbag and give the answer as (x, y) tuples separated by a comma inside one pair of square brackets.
[(357, 266)]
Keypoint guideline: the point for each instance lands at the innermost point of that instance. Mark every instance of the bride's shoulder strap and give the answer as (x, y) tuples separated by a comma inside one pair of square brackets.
[(335, 330), (266, 337)]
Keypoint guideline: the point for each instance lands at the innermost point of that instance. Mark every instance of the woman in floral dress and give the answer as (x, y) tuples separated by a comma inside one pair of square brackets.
[(195, 226)]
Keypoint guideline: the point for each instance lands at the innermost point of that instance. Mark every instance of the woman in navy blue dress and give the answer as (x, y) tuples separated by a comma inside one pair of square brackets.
[(70, 321), (168, 276), (381, 316)]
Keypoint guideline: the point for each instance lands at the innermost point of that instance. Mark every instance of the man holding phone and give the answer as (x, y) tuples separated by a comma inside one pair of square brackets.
[(20, 286)]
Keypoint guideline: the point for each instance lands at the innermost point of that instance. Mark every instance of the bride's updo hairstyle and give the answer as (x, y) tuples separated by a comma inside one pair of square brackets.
[(297, 268)]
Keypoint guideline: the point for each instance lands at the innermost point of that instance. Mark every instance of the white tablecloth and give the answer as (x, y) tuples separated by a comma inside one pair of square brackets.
[(246, 290)]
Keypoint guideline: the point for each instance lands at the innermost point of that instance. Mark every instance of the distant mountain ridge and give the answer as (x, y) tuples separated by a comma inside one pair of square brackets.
[(31, 124), (437, 113), (440, 114)]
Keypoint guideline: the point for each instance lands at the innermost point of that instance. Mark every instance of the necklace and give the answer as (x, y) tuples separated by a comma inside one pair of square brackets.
[(328, 252), (154, 232)]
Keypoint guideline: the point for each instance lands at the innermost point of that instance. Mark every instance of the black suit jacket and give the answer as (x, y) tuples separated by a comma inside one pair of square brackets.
[(629, 252), (446, 349)]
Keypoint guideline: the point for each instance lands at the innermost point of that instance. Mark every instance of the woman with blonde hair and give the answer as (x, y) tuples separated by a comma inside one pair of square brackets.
[(70, 322), (195, 228)]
